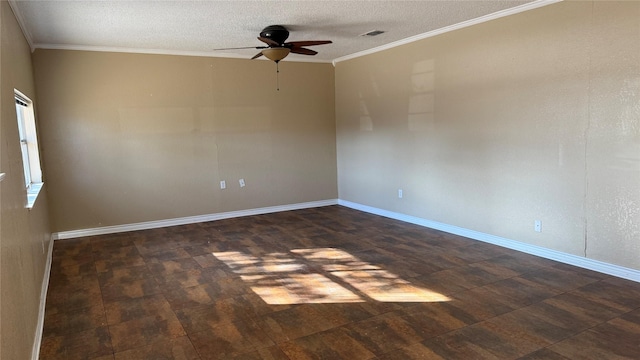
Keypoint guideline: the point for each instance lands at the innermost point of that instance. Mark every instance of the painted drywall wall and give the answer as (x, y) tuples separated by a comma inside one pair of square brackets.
[(535, 116), (24, 234), (131, 138)]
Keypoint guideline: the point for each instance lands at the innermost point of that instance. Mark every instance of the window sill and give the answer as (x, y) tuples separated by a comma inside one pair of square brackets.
[(32, 193)]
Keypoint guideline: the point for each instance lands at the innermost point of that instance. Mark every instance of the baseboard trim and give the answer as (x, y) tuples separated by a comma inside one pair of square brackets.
[(590, 264), (579, 261), (37, 342), (189, 220)]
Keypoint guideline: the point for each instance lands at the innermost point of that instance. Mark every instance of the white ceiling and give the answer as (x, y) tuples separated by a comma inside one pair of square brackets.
[(198, 27)]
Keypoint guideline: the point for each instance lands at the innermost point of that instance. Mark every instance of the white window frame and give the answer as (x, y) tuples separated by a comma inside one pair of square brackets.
[(28, 138)]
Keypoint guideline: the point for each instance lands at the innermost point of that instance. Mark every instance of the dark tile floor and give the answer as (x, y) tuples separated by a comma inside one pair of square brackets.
[(326, 283)]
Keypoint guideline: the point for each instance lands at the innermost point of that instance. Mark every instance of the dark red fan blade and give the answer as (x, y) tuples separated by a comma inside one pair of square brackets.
[(308, 43), (268, 41), (245, 47), (303, 51), (257, 55)]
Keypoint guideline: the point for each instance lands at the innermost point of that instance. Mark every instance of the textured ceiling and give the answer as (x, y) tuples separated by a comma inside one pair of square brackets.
[(198, 27)]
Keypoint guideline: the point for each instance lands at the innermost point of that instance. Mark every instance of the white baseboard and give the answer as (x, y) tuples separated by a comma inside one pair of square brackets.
[(189, 220), (586, 263), (35, 352)]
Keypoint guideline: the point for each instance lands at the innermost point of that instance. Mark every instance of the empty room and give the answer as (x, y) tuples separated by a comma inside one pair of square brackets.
[(319, 180)]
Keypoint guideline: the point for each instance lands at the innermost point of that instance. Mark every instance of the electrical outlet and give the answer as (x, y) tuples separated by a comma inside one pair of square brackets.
[(399, 193), (537, 226), (241, 181), (223, 184)]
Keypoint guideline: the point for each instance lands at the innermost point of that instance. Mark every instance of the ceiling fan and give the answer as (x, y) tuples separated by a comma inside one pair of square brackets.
[(274, 36)]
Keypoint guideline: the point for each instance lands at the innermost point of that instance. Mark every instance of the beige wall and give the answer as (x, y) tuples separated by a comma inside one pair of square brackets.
[(24, 234), (532, 116), (131, 138)]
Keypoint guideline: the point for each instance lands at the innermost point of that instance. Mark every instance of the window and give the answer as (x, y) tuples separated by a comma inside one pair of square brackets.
[(29, 146)]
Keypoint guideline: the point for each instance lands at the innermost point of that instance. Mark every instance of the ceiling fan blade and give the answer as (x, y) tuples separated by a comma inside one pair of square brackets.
[(308, 43), (268, 41), (245, 47), (257, 55), (303, 51)]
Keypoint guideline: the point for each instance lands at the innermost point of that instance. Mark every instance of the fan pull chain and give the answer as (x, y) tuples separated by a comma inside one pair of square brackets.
[(278, 75)]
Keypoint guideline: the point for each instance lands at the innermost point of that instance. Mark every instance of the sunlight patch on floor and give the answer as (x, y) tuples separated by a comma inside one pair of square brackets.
[(299, 289), (321, 275), (248, 264)]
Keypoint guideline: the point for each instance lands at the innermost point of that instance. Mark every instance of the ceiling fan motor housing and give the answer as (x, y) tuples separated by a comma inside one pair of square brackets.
[(276, 33)]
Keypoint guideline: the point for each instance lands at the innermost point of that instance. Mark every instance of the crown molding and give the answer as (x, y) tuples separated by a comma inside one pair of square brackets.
[(496, 15), (22, 23), (499, 14), (164, 52)]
